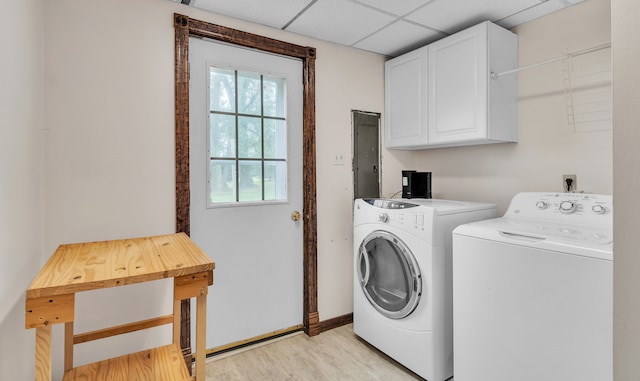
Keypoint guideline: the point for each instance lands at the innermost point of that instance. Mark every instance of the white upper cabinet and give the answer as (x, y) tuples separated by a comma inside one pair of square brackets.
[(464, 105), (405, 99)]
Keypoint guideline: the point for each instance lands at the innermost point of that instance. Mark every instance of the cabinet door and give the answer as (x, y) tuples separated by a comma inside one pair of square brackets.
[(405, 100), (457, 99)]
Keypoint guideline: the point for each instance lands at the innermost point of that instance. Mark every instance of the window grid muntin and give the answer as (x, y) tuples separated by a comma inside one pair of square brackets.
[(237, 158)]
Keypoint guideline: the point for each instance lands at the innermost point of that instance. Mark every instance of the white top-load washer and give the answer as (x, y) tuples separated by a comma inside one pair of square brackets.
[(533, 291), (402, 278)]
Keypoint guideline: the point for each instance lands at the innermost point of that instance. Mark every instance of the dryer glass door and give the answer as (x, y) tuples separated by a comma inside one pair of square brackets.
[(389, 275)]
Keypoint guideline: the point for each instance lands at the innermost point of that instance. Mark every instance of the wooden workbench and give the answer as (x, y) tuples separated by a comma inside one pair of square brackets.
[(95, 265)]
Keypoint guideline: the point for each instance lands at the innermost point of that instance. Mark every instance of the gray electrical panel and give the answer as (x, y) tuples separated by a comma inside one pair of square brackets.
[(366, 154)]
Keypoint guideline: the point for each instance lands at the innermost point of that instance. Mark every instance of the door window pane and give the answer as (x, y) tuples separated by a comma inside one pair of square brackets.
[(275, 139), (222, 135), (274, 97), (247, 142), (275, 185), (249, 137), (222, 88), (249, 94), (222, 181), (250, 181)]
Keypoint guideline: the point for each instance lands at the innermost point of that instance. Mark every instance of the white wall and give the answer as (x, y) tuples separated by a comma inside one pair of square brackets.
[(110, 143), (109, 168), (346, 80), (21, 184), (547, 146), (626, 141)]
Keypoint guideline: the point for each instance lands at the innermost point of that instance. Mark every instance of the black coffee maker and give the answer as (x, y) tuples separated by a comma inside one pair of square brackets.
[(416, 184)]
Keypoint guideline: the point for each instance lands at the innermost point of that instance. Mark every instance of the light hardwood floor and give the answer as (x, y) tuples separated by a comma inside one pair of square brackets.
[(333, 355)]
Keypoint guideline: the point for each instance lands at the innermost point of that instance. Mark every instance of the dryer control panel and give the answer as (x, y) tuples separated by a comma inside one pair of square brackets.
[(395, 214), (574, 208), (389, 204)]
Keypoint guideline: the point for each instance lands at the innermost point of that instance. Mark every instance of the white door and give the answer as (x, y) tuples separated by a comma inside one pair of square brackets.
[(245, 117)]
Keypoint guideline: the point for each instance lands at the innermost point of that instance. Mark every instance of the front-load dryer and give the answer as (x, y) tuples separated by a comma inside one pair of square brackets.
[(402, 278), (533, 291)]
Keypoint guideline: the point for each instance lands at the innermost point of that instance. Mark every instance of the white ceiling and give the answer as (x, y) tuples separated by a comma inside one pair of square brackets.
[(388, 27)]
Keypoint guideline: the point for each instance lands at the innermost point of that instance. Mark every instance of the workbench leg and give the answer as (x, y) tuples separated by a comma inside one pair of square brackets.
[(43, 353), (68, 346), (177, 304), (201, 335)]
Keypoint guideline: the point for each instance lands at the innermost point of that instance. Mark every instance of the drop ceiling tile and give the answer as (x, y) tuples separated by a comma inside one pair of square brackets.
[(398, 8), (274, 13), (454, 15), (398, 38), (365, 23), (531, 13), (340, 21)]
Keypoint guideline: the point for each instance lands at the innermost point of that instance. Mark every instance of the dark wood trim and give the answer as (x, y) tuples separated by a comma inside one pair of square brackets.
[(249, 40), (182, 124), (310, 262), (183, 195), (336, 322), (185, 28)]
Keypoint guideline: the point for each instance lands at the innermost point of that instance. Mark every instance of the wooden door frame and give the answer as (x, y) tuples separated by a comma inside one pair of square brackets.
[(186, 27)]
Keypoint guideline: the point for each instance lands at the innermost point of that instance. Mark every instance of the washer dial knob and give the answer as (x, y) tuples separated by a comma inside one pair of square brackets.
[(383, 217), (567, 207), (598, 209), (541, 205)]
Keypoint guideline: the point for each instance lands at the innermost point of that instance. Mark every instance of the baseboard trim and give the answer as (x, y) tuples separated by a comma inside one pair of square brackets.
[(336, 322), (325, 325), (252, 341)]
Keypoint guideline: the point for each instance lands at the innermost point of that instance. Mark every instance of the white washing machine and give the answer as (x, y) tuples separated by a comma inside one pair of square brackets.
[(533, 291), (402, 278)]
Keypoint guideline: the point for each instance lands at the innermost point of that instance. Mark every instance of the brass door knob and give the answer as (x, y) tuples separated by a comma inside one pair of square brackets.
[(295, 215)]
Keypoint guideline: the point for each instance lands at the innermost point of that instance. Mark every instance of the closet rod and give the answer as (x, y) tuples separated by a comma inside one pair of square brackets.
[(562, 57)]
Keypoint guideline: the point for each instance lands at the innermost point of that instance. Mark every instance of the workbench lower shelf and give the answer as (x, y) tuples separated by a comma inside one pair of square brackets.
[(159, 364)]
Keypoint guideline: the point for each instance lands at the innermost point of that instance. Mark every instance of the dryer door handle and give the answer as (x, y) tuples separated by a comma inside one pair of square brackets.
[(364, 257)]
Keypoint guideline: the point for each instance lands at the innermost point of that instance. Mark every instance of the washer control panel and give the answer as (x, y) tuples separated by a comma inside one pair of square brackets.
[(577, 208)]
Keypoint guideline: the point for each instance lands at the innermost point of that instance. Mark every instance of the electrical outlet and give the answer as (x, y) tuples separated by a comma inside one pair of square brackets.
[(569, 183)]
